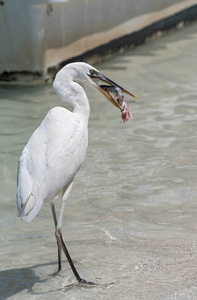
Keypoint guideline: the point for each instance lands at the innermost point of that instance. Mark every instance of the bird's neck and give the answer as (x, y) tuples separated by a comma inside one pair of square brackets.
[(80, 100), (73, 93)]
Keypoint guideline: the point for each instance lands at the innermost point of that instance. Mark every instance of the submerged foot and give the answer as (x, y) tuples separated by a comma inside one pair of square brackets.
[(83, 281), (57, 271)]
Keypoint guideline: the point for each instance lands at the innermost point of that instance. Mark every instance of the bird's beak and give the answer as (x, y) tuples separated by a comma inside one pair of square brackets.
[(103, 89)]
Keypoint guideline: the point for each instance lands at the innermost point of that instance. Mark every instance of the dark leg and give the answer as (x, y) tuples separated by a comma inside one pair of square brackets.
[(58, 234), (59, 249), (62, 244)]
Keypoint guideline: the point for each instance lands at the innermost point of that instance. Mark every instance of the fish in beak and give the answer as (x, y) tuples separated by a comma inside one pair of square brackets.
[(114, 93)]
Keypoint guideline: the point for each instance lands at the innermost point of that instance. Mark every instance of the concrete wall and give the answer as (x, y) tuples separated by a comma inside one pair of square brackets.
[(38, 34)]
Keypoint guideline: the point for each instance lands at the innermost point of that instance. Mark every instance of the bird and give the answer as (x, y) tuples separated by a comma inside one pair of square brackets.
[(57, 148)]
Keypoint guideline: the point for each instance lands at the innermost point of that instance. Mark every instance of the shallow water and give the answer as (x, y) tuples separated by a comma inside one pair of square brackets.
[(131, 217)]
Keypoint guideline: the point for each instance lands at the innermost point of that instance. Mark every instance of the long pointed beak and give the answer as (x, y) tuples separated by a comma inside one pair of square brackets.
[(103, 89)]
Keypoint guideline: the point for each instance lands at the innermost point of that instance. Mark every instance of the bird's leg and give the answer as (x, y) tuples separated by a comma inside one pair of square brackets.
[(59, 248), (59, 238)]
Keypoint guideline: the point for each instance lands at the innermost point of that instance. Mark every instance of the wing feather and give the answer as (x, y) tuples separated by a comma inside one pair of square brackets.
[(50, 160)]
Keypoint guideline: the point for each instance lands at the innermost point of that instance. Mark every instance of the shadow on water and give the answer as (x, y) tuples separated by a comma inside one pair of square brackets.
[(13, 281)]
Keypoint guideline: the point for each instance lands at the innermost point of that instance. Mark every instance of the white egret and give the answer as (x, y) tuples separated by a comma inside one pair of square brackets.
[(57, 148)]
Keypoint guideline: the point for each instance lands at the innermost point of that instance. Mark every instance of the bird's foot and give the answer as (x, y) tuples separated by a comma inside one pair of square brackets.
[(83, 281), (57, 271), (93, 284)]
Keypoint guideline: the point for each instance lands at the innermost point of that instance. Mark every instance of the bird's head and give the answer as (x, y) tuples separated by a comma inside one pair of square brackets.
[(110, 91), (85, 74)]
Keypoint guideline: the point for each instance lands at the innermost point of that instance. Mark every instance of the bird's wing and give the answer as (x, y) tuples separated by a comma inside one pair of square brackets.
[(30, 165), (50, 160)]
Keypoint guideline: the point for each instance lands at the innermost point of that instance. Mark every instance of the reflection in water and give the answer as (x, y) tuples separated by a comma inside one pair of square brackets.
[(131, 217)]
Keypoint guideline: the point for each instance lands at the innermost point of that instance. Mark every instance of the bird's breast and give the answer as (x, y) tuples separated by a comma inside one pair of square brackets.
[(66, 141)]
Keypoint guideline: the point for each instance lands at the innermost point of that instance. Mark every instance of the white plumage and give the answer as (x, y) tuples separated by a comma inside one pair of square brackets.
[(50, 160), (57, 148)]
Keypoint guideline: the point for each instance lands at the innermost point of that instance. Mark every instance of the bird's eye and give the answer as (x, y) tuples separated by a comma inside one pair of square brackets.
[(92, 72)]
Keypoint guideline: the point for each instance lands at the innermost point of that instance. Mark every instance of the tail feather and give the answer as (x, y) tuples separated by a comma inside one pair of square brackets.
[(30, 208), (29, 199)]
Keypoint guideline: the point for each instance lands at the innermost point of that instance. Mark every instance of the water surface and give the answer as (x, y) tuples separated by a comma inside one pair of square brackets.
[(131, 218)]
